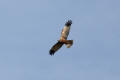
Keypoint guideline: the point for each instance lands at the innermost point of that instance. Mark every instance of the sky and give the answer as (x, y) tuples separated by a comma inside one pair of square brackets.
[(29, 28)]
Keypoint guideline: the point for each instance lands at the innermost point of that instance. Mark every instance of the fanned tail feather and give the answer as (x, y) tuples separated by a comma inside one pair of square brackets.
[(69, 43)]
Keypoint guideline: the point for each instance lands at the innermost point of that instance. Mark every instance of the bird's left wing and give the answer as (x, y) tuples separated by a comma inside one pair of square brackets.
[(56, 47)]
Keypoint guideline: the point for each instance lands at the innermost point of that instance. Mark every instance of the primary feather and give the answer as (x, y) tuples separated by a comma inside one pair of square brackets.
[(57, 46)]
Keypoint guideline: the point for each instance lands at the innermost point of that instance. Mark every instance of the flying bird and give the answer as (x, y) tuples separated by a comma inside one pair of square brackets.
[(63, 39)]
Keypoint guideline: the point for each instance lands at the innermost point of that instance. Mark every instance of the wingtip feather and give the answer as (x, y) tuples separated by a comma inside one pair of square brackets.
[(68, 23), (51, 52)]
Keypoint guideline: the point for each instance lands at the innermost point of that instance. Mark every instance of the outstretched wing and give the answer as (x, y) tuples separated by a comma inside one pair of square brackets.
[(57, 46), (66, 30)]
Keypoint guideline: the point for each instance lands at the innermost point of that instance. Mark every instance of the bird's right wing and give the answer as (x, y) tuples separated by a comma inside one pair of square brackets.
[(56, 47)]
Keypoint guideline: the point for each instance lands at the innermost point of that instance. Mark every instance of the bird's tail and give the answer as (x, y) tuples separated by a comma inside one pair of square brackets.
[(69, 43)]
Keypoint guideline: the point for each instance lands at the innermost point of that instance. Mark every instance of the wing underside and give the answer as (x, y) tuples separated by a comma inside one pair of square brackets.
[(56, 47)]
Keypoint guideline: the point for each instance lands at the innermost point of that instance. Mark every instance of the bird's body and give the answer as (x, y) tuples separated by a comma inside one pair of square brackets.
[(63, 38)]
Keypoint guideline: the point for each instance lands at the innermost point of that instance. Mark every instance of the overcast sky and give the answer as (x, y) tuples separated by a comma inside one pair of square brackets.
[(29, 28)]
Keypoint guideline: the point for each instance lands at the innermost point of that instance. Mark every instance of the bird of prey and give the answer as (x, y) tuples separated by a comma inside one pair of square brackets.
[(63, 39)]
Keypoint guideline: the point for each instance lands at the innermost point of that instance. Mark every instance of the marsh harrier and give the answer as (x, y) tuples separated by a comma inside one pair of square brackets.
[(63, 39)]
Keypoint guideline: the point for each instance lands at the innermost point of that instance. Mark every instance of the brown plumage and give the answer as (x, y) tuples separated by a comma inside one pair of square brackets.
[(63, 39)]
